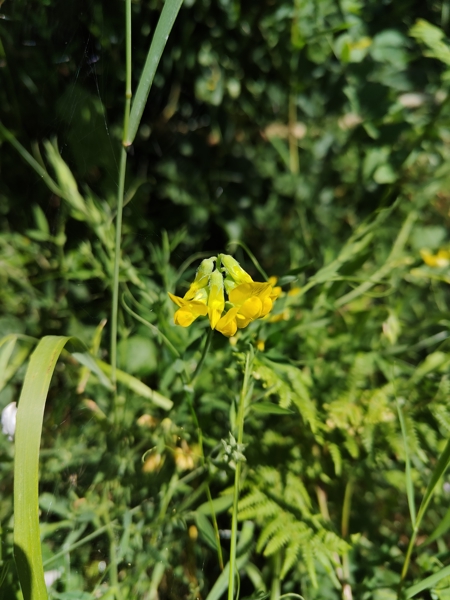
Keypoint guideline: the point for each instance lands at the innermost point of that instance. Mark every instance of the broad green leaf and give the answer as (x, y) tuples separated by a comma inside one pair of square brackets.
[(206, 529), (219, 505)]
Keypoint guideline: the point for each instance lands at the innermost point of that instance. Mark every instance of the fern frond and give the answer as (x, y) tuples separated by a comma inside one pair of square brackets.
[(296, 494), (292, 387), (284, 511)]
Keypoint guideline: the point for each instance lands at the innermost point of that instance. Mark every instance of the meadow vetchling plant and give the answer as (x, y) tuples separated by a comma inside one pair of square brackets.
[(247, 301)]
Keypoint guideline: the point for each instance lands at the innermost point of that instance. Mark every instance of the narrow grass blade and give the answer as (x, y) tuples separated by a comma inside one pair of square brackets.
[(88, 361), (136, 386), (409, 482), (438, 472), (442, 528), (243, 551), (166, 20), (11, 357), (427, 583), (9, 137), (30, 413)]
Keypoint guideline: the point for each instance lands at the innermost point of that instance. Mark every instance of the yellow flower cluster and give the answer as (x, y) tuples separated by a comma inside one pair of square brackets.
[(247, 301)]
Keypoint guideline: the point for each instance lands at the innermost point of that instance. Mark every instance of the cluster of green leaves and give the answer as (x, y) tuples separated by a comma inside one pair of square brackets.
[(316, 133)]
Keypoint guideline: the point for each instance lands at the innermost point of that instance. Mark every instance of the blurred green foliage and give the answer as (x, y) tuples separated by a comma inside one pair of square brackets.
[(317, 133)]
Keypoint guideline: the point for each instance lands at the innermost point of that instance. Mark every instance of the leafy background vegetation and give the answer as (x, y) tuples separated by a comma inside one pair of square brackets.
[(315, 133)]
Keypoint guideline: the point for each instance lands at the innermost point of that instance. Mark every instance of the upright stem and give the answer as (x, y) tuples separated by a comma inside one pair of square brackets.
[(202, 358), (115, 298), (347, 593), (120, 194), (237, 477), (276, 584)]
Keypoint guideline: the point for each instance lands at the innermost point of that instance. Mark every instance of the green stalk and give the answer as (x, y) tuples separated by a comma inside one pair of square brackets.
[(202, 358), (346, 588), (237, 477), (115, 297), (276, 583), (190, 397), (120, 194)]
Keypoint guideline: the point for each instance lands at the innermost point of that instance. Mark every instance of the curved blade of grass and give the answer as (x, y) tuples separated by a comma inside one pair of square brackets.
[(442, 528), (166, 20), (409, 482), (51, 184), (30, 413), (441, 467), (427, 583)]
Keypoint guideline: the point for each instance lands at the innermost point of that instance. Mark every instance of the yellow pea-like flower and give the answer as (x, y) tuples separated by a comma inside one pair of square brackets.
[(248, 300)]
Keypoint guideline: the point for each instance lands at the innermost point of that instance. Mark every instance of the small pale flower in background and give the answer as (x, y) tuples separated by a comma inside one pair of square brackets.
[(9, 420), (51, 576)]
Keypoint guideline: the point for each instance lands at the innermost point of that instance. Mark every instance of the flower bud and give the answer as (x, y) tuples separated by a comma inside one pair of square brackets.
[(234, 270), (201, 277)]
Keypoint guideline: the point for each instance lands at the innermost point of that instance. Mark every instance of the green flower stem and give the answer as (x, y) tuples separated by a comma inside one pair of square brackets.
[(237, 477), (190, 396), (202, 358), (152, 327)]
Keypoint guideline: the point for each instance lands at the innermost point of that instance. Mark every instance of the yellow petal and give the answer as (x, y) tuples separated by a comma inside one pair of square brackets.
[(178, 301), (184, 317), (189, 310), (251, 309), (227, 324), (242, 321), (276, 291), (246, 290), (267, 306)]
